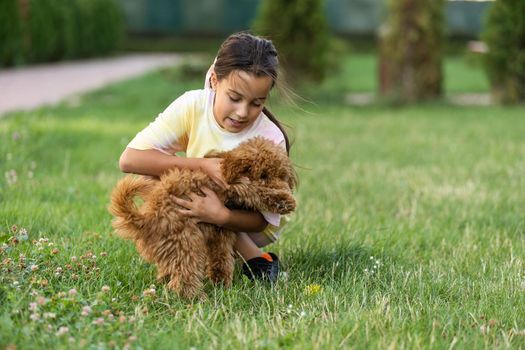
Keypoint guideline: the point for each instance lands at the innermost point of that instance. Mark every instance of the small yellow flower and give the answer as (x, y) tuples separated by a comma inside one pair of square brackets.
[(313, 289)]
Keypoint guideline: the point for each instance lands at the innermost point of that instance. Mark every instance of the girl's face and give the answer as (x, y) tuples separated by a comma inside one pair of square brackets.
[(239, 99)]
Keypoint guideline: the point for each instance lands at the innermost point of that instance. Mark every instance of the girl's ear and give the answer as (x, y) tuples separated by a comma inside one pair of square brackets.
[(213, 80)]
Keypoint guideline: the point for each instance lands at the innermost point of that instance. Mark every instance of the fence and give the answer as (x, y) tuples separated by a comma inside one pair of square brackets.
[(221, 17)]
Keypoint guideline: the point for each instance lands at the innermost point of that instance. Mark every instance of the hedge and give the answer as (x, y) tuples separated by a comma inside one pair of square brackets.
[(505, 61), (300, 32), (49, 30)]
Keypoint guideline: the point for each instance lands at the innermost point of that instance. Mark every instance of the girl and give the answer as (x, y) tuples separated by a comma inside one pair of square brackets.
[(229, 110)]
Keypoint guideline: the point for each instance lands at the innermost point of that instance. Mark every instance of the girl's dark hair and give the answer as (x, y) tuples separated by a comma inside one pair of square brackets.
[(251, 54)]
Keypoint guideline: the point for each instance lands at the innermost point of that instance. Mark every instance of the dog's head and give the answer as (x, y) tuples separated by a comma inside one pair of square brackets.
[(260, 162), (261, 176)]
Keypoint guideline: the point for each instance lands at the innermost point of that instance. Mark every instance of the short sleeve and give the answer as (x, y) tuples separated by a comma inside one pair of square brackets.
[(169, 131)]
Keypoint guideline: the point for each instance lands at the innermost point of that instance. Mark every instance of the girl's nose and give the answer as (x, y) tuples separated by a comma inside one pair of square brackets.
[(242, 111)]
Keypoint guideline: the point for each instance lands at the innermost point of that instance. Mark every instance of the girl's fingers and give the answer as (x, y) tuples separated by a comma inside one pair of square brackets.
[(180, 201), (221, 183), (192, 196), (185, 212), (206, 190)]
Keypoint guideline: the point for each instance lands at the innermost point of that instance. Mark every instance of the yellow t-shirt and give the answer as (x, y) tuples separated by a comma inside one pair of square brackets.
[(188, 125)]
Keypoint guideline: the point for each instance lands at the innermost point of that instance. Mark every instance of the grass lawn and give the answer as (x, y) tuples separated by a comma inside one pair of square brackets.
[(409, 231)]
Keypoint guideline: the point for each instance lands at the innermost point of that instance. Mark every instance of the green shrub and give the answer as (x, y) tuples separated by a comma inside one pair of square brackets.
[(300, 32), (43, 30), (97, 27), (10, 34), (411, 51), (505, 62), (56, 29), (108, 23)]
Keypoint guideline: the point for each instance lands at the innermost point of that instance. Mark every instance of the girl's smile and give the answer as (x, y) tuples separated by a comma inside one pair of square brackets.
[(239, 99)]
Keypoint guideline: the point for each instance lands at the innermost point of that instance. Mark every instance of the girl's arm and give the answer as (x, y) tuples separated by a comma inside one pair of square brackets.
[(210, 209), (243, 221), (204, 209), (155, 163)]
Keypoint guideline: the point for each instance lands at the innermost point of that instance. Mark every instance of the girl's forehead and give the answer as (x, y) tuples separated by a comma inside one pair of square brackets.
[(248, 84)]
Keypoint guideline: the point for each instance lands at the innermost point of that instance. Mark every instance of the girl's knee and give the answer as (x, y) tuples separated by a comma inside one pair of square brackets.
[(260, 239)]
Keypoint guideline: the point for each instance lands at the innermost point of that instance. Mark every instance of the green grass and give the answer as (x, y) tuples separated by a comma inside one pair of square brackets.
[(359, 73), (409, 232)]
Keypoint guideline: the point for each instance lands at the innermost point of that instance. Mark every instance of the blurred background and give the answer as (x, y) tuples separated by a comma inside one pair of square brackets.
[(400, 51)]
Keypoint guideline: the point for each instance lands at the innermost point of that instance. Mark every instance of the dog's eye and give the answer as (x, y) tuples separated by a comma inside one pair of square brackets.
[(246, 169), (264, 175)]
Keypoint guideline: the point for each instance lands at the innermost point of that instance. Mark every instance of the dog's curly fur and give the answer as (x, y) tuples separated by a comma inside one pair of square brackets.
[(260, 177)]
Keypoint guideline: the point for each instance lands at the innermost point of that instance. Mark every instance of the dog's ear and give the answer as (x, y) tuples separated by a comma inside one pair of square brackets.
[(235, 167), (275, 163), (239, 162), (290, 175)]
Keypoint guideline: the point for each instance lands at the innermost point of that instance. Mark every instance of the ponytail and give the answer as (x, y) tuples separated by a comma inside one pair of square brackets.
[(274, 120)]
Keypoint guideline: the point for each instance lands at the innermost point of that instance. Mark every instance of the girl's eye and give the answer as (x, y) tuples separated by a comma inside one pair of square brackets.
[(234, 99), (257, 105)]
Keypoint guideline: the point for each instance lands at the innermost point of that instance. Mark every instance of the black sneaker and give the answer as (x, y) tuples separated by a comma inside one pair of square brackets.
[(261, 269)]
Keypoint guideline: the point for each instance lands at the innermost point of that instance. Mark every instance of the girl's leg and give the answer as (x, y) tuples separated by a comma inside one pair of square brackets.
[(246, 246), (257, 265), (260, 239)]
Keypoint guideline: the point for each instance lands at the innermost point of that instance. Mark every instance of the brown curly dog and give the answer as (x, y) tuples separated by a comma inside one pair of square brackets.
[(260, 177)]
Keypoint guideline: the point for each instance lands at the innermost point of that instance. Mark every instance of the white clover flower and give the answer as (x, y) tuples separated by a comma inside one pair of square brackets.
[(99, 321), (86, 310), (484, 329), (284, 276), (11, 177), (72, 292), (62, 331)]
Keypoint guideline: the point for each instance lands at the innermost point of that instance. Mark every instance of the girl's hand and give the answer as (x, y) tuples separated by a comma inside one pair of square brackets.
[(207, 208), (212, 167)]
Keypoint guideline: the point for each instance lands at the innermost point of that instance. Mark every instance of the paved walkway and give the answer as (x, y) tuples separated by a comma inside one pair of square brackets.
[(31, 87)]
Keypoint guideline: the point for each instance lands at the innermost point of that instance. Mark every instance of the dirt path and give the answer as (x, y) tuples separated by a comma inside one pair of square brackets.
[(35, 86)]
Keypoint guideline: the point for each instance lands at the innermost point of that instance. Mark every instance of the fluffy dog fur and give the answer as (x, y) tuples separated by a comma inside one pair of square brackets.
[(260, 177)]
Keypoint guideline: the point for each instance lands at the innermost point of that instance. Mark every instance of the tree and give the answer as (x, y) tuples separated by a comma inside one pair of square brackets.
[(505, 61), (411, 51), (299, 30)]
